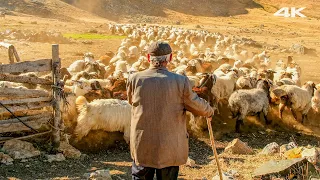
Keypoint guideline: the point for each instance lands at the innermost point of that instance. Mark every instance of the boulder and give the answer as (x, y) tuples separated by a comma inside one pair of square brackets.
[(271, 148), (281, 168), (310, 154), (20, 149), (238, 147), (69, 151), (56, 157), (5, 159)]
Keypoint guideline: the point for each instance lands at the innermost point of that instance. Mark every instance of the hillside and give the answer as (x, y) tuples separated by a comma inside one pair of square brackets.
[(118, 9), (54, 9), (149, 11)]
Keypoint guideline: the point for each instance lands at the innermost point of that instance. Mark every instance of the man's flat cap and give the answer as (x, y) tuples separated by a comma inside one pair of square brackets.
[(159, 49)]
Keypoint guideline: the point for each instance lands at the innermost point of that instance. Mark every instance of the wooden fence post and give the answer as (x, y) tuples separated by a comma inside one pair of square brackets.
[(56, 65), (11, 54)]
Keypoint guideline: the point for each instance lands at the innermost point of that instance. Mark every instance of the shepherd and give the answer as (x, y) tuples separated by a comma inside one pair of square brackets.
[(160, 99)]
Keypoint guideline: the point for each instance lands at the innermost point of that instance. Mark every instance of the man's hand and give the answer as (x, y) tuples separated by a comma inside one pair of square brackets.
[(210, 117)]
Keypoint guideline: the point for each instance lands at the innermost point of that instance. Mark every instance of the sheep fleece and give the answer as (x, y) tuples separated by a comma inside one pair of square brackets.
[(105, 114), (249, 101)]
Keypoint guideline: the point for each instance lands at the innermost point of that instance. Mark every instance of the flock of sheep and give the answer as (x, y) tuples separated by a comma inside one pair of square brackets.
[(219, 67)]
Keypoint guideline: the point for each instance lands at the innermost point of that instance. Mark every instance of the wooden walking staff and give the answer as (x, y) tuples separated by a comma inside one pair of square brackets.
[(213, 146)]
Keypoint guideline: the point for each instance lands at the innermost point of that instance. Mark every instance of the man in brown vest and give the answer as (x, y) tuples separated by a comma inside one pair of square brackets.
[(160, 99)]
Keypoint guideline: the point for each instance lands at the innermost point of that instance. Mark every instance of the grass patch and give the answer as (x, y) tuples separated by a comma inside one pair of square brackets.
[(91, 36)]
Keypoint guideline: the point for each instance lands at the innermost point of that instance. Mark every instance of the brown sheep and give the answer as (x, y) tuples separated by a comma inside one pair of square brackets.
[(98, 92), (105, 59)]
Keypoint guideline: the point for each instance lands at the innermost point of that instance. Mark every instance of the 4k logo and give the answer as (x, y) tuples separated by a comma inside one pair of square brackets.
[(285, 12)]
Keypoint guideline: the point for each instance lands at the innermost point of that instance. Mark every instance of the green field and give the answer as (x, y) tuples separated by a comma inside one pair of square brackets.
[(91, 36)]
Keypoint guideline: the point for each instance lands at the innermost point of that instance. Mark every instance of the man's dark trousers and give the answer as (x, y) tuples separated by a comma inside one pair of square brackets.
[(147, 173)]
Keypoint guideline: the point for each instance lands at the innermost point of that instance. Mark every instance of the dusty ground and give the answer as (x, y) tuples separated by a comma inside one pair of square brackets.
[(118, 160), (255, 21)]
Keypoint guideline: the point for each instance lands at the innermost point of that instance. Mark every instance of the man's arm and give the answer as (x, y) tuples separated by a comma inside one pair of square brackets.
[(194, 103)]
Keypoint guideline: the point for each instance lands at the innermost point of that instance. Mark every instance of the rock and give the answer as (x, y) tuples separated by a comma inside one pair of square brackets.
[(310, 154), (34, 22), (191, 163), (226, 175), (69, 151), (238, 147), (270, 149), (20, 149), (293, 153), (87, 42), (24, 160), (178, 23), (297, 48), (103, 174), (56, 157), (198, 26), (284, 168), (300, 49), (5, 159), (284, 148)]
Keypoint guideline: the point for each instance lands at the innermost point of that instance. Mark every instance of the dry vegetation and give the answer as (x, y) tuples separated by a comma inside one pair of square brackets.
[(76, 19)]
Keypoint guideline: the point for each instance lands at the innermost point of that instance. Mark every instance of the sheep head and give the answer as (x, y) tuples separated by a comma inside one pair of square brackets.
[(310, 87), (93, 67), (208, 81), (96, 85), (265, 84)]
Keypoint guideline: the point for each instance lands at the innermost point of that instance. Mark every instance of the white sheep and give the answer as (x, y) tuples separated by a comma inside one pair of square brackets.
[(79, 65), (79, 88), (245, 82), (122, 66), (222, 70), (224, 86), (296, 98), (280, 65), (69, 111), (103, 114), (253, 101)]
